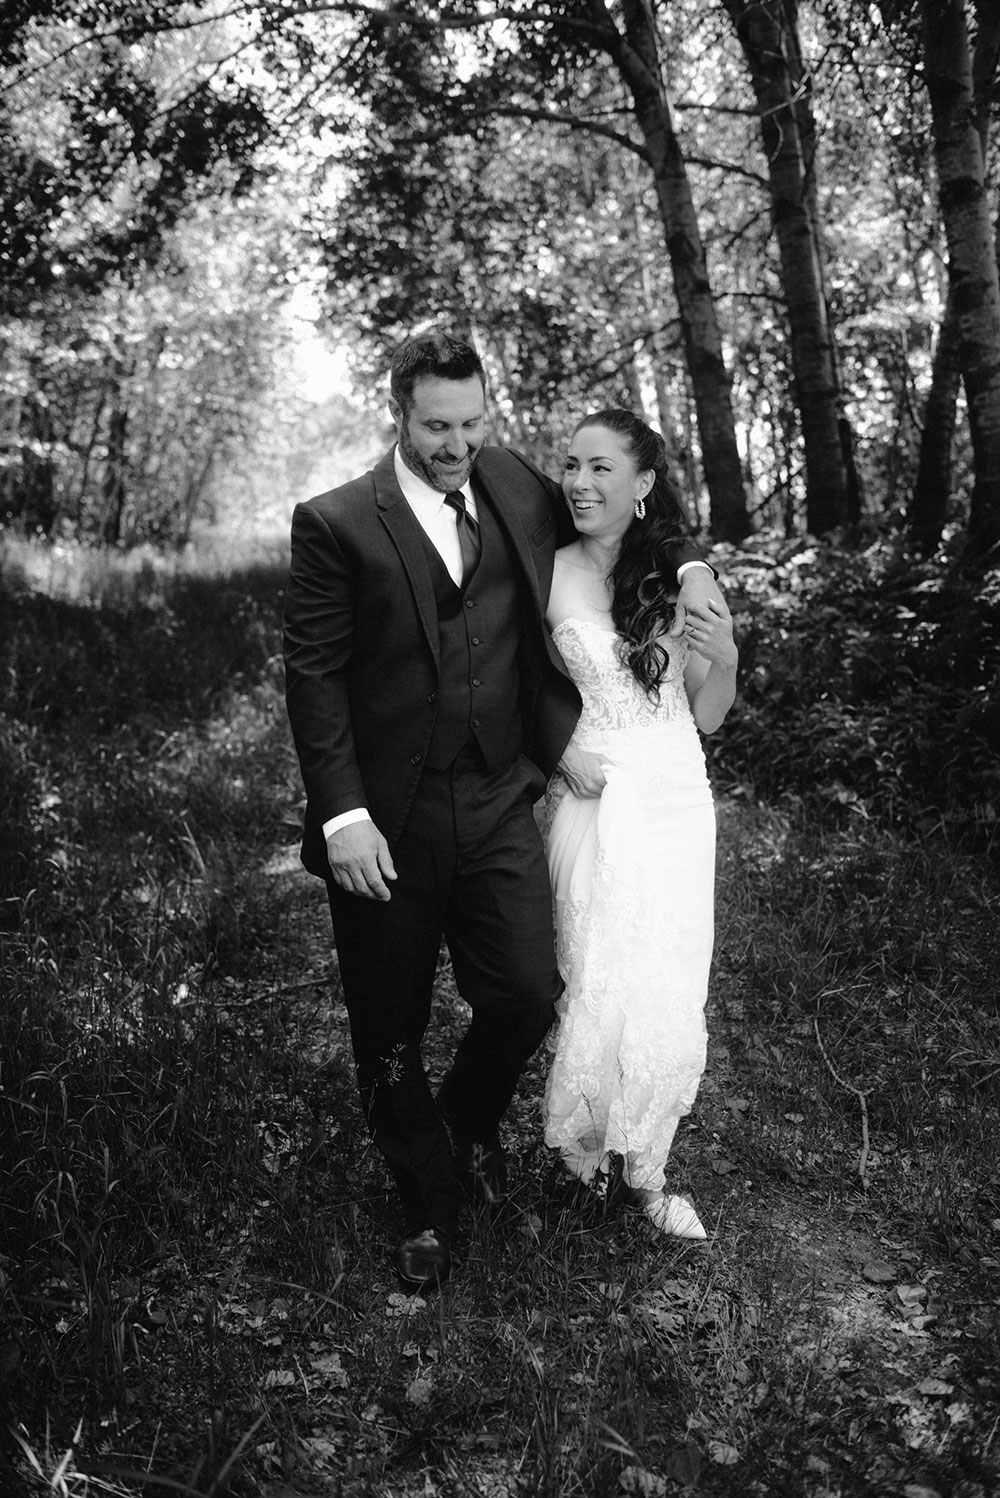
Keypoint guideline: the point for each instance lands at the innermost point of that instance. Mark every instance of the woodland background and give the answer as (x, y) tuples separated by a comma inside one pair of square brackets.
[(772, 228)]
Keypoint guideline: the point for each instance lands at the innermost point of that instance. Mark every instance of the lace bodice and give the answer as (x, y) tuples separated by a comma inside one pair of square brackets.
[(612, 698)]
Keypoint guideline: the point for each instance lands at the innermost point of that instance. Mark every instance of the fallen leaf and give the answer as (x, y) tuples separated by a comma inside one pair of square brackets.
[(644, 1484), (911, 1295), (321, 1449), (279, 1378), (723, 1453), (723, 1167), (329, 1367), (934, 1386), (667, 1321), (677, 1290), (684, 1465), (878, 1272), (419, 1390), (400, 1305)]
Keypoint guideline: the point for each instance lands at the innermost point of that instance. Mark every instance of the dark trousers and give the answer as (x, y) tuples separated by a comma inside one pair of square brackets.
[(471, 869)]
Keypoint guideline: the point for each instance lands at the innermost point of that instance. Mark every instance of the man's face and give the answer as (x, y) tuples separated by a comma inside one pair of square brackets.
[(441, 436)]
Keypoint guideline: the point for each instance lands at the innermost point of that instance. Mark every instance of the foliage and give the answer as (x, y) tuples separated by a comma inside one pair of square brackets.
[(137, 327), (492, 207), (868, 683), (105, 160), (194, 1285), (439, 164)]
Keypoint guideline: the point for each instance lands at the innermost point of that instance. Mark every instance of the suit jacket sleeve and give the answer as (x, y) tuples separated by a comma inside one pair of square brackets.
[(318, 640)]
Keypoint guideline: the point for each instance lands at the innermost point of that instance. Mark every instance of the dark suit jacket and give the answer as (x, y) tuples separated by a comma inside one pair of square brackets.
[(361, 647), (361, 639)]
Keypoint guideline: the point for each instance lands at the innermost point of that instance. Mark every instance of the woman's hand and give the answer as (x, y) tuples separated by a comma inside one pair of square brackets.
[(708, 629)]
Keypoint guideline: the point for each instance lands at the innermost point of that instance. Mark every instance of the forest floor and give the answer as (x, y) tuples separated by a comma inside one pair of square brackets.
[(196, 1287)]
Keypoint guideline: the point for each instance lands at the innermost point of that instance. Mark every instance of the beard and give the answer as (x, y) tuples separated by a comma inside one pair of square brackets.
[(442, 476)]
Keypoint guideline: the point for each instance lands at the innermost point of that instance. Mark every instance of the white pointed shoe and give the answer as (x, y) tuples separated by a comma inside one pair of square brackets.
[(674, 1216)]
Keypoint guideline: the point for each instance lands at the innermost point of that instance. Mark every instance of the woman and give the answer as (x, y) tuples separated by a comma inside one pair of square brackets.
[(632, 865)]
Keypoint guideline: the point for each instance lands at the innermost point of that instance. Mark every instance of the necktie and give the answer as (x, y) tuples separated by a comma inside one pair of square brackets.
[(468, 534)]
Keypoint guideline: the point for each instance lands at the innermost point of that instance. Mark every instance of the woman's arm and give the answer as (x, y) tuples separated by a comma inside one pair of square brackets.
[(710, 674)]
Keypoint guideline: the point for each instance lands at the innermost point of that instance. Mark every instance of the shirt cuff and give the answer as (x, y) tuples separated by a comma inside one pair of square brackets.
[(359, 814), (685, 565)]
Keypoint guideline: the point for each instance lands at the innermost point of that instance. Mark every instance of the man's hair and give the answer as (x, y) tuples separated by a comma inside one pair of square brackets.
[(433, 354)]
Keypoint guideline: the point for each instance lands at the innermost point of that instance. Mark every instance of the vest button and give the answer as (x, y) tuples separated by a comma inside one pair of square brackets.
[(432, 696), (469, 603), (475, 723), (415, 759), (475, 640), (476, 682)]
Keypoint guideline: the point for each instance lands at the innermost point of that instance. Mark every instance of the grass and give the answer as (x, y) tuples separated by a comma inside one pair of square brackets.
[(195, 1289)]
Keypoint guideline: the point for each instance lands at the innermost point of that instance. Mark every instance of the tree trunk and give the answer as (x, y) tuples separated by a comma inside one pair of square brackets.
[(665, 415), (636, 56), (973, 279), (768, 34), (928, 506), (38, 505), (113, 488)]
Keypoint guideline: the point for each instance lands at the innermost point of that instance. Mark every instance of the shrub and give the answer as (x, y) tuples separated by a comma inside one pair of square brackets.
[(868, 682)]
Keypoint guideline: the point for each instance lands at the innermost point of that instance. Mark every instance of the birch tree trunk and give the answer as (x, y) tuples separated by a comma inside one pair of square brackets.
[(929, 503), (768, 35), (635, 54), (928, 506), (974, 282)]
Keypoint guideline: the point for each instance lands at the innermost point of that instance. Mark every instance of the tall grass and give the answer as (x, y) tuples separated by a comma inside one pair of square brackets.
[(195, 1289)]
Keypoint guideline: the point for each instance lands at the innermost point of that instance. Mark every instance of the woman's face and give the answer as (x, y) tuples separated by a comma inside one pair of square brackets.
[(601, 484)]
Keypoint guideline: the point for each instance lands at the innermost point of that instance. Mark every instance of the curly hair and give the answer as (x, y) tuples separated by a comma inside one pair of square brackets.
[(643, 578)]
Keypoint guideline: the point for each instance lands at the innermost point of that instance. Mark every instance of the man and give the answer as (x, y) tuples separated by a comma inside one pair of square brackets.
[(428, 707)]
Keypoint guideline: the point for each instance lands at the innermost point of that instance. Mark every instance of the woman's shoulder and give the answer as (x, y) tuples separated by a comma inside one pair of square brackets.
[(569, 558)]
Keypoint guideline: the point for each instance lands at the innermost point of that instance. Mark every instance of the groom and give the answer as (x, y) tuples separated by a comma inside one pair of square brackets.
[(428, 706)]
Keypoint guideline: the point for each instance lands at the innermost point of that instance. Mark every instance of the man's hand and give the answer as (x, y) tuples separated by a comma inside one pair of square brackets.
[(360, 861), (698, 589), (583, 772)]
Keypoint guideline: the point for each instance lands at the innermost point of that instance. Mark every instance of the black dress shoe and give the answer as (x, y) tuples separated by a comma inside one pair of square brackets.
[(482, 1169), (423, 1260)]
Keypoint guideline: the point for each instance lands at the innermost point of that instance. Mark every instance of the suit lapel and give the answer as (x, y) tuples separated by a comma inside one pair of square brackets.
[(404, 528), (510, 521), (509, 518)]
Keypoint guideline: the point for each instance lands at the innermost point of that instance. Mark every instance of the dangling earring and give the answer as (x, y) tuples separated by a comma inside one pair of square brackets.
[(640, 509)]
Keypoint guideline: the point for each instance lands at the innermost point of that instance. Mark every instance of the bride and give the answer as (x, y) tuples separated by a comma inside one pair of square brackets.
[(631, 840)]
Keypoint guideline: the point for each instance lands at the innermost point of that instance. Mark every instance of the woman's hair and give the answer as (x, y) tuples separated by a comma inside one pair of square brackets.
[(644, 577)]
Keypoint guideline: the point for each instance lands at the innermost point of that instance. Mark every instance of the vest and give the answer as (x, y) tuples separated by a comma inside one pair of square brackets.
[(479, 634)]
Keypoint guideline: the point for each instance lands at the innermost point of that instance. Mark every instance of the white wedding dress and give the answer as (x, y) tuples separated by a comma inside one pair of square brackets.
[(633, 881)]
